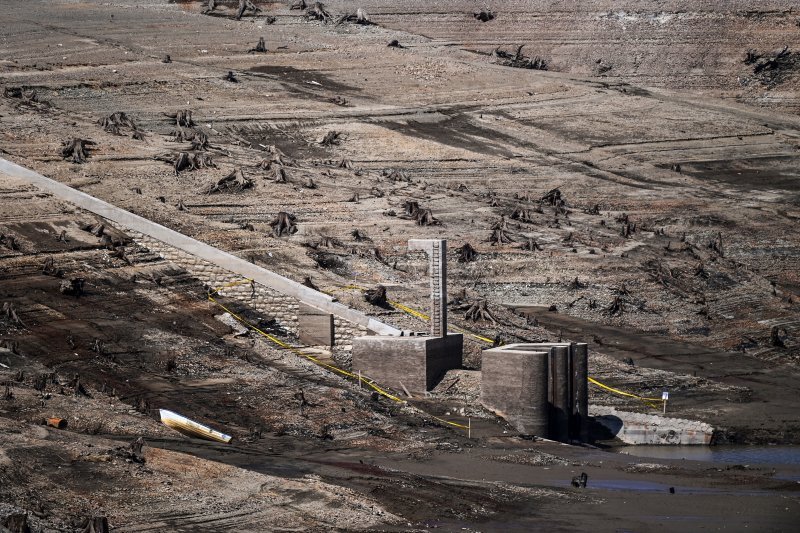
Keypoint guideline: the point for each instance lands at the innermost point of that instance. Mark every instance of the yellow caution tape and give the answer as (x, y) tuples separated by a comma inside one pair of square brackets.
[(413, 312), (371, 384), (648, 401)]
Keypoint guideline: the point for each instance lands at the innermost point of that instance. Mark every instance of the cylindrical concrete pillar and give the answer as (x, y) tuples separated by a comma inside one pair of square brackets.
[(559, 386), (536, 410), (579, 363)]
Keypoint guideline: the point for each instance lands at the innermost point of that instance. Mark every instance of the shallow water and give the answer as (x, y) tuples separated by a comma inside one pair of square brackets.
[(773, 455)]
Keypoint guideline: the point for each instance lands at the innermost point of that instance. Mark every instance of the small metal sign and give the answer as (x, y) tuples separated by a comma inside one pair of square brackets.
[(665, 395)]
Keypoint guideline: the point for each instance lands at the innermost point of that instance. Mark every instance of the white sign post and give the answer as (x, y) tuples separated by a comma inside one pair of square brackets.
[(665, 397)]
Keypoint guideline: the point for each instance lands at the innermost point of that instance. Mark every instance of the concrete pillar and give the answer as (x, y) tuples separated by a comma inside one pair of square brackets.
[(559, 387), (579, 362), (514, 386), (437, 257)]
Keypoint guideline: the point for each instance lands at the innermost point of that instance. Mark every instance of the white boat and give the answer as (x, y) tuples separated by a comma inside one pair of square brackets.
[(191, 428)]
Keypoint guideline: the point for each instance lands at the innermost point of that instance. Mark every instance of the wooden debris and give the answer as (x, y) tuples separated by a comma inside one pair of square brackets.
[(518, 60), (72, 287), (233, 182), (187, 161), (716, 245), (531, 245), (183, 118), (553, 197), (484, 15), (9, 315), (479, 311), (775, 338), (283, 224), (15, 523), (376, 296), (261, 47), (396, 175), (466, 253), (523, 215), (246, 5), (9, 241), (310, 284), (280, 175), (118, 121), (575, 284), (359, 17), (594, 210), (49, 269), (318, 12), (359, 236), (339, 100), (199, 141), (500, 234), (299, 5), (76, 149), (331, 138), (309, 183)]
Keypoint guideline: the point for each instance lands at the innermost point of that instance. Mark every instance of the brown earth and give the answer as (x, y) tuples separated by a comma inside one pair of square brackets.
[(676, 146)]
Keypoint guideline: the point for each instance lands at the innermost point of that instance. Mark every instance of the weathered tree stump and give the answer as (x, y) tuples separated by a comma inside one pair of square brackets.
[(484, 15), (15, 523), (96, 524), (9, 315), (233, 182), (260, 48), (72, 287), (310, 284), (466, 253), (118, 121), (376, 296), (318, 12), (76, 150), (479, 311), (9, 241), (359, 17), (283, 224), (331, 138)]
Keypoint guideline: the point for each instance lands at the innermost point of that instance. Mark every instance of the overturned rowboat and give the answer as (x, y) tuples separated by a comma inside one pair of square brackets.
[(191, 428)]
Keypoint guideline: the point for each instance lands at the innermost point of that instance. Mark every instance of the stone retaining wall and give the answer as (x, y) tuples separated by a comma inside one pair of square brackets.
[(274, 295), (272, 303)]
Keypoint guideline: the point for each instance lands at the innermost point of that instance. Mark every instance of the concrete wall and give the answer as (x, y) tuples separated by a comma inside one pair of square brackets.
[(276, 296), (514, 386), (638, 428), (418, 363)]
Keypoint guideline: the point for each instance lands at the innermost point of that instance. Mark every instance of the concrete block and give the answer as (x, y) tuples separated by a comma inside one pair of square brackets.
[(637, 428), (514, 386), (315, 326), (418, 362)]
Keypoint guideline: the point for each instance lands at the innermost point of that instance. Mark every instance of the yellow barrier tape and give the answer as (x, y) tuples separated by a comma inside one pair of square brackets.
[(628, 394), (422, 316), (371, 384)]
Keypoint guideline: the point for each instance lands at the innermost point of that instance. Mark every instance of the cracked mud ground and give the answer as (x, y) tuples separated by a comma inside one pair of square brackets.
[(678, 165)]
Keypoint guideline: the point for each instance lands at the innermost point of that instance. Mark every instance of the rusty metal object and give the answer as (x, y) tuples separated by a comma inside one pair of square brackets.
[(58, 423)]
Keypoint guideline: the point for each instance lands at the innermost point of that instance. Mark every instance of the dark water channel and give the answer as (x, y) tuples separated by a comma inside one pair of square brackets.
[(744, 455)]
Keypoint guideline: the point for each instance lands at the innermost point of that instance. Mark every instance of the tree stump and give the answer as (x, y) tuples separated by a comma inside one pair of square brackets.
[(76, 150)]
